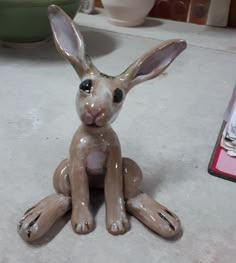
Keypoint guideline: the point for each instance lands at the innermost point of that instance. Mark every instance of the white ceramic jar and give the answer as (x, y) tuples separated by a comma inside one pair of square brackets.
[(127, 12)]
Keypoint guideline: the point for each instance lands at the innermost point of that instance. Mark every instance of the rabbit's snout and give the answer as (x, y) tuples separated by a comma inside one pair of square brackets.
[(94, 116)]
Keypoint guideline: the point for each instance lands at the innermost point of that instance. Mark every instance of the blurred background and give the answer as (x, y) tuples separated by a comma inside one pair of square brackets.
[(220, 13)]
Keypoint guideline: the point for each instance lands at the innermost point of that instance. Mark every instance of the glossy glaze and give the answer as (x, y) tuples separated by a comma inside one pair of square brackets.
[(95, 159)]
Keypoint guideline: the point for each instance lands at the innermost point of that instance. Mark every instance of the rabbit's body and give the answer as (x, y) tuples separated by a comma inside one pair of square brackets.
[(96, 151), (95, 159), (93, 148)]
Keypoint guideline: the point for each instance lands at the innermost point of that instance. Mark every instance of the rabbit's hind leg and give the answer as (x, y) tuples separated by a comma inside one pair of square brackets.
[(40, 218), (61, 181), (155, 216)]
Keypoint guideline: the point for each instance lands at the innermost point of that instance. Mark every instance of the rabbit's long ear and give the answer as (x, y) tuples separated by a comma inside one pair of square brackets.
[(153, 63), (69, 41)]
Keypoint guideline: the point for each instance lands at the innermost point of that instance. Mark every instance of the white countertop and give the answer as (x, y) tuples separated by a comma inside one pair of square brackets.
[(168, 125), (161, 29)]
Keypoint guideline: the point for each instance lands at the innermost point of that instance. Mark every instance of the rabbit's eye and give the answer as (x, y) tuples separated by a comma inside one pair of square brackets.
[(86, 85), (118, 96)]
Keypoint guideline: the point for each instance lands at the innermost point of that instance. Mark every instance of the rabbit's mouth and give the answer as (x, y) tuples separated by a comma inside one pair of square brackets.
[(93, 125), (96, 124)]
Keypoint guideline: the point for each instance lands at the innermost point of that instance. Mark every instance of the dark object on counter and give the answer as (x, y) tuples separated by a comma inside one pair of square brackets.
[(26, 20)]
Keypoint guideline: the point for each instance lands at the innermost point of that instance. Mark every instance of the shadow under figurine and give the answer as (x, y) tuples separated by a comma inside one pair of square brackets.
[(95, 155)]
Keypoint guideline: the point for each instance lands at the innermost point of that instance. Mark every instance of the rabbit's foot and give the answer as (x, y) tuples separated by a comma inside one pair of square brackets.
[(38, 219), (155, 216), (82, 220), (118, 226)]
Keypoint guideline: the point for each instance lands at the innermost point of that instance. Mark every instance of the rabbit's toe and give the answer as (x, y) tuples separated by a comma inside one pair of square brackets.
[(28, 225), (119, 226), (82, 221)]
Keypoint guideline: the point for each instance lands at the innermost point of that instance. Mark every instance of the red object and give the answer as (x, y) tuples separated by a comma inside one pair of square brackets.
[(171, 9), (198, 11), (221, 164)]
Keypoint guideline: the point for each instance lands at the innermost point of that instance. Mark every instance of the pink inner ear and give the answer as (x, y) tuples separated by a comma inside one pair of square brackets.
[(64, 34), (156, 61), (160, 59)]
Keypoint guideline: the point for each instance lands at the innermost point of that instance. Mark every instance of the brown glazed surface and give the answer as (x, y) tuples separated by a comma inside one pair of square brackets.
[(95, 159)]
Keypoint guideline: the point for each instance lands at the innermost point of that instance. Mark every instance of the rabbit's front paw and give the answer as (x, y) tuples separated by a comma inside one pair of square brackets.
[(82, 220), (118, 226)]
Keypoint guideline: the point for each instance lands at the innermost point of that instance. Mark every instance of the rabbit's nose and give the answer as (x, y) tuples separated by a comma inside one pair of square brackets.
[(94, 111), (87, 118)]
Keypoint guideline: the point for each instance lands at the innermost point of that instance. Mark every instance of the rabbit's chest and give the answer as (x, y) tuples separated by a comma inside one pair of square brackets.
[(94, 153), (96, 162)]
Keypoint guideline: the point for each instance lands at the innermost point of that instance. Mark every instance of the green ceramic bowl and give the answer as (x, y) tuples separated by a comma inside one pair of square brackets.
[(27, 21)]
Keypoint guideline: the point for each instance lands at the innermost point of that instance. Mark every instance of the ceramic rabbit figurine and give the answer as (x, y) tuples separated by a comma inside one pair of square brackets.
[(95, 159)]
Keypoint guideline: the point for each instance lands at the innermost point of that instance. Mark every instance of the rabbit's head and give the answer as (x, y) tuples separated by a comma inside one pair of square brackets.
[(100, 97)]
